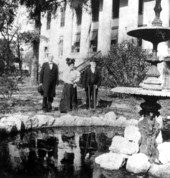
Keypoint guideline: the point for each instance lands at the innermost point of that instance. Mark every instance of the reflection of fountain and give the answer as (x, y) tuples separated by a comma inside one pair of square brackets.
[(150, 89)]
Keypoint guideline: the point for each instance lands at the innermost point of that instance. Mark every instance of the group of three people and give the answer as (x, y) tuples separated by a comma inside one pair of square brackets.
[(49, 78)]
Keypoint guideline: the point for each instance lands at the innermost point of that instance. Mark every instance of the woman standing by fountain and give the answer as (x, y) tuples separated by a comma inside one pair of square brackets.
[(69, 95)]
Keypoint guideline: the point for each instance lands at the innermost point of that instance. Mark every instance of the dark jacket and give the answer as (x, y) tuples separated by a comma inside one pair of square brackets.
[(90, 78), (49, 79)]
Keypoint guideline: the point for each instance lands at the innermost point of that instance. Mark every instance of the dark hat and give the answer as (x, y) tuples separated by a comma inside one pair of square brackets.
[(70, 61), (94, 59), (40, 89)]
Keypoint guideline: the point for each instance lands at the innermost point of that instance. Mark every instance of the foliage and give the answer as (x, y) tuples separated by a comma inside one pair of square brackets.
[(9, 85), (4, 55), (7, 16), (7, 13), (124, 66)]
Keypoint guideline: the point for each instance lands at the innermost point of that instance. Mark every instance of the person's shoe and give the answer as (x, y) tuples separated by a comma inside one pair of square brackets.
[(45, 110), (49, 107)]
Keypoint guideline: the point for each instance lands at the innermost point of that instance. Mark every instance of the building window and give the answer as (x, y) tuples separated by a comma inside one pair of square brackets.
[(79, 15), (45, 51), (115, 9), (76, 46), (140, 11), (48, 20), (60, 46), (63, 10), (114, 36), (169, 45), (95, 10), (93, 41), (101, 5)]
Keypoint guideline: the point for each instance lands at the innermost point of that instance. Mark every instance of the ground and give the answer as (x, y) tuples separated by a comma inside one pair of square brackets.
[(27, 99)]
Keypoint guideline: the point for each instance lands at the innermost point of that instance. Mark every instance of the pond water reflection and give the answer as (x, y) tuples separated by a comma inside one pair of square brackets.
[(59, 152)]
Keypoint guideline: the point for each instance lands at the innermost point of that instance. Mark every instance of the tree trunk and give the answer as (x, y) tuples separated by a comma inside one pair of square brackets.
[(35, 59), (19, 57)]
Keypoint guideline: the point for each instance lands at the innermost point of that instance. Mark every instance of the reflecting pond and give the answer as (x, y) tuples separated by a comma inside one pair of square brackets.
[(59, 153)]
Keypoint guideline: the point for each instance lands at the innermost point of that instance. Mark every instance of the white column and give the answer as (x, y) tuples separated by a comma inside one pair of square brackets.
[(85, 32), (104, 31), (43, 42), (164, 67), (54, 35), (148, 17), (68, 31), (165, 17), (128, 18)]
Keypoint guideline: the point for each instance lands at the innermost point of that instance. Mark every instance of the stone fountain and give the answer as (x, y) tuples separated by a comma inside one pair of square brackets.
[(151, 88)]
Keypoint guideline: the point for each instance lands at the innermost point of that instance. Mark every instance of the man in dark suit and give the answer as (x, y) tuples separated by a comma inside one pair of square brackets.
[(91, 82), (49, 80)]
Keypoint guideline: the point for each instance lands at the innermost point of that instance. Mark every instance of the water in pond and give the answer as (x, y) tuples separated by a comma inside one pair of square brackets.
[(58, 153)]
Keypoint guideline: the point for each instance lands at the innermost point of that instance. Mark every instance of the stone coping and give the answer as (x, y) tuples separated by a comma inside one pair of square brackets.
[(141, 92), (19, 121)]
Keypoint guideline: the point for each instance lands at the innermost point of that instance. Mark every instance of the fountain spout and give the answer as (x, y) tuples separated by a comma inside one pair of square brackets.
[(157, 21)]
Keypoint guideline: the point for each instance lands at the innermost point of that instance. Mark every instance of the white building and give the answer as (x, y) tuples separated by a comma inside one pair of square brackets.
[(96, 29)]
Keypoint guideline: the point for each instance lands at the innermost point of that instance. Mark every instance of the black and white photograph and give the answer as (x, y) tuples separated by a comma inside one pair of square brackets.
[(84, 88)]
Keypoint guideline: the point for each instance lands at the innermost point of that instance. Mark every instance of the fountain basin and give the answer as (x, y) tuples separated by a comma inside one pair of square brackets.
[(141, 92), (153, 34)]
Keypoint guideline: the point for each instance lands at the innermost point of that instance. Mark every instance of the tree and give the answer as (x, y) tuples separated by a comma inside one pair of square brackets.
[(36, 7), (7, 15)]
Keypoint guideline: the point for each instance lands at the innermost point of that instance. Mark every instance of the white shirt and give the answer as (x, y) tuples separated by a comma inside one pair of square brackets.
[(51, 65), (92, 69), (71, 76)]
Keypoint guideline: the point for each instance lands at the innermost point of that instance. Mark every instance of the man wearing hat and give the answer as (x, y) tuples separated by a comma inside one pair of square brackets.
[(48, 81), (91, 82)]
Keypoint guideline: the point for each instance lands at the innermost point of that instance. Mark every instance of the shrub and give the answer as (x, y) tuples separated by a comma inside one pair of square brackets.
[(9, 85), (124, 66)]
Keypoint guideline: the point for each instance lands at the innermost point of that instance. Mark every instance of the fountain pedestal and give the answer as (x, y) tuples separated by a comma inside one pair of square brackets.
[(148, 127)]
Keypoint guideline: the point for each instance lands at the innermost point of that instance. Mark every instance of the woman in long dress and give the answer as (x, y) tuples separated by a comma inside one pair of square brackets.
[(69, 95)]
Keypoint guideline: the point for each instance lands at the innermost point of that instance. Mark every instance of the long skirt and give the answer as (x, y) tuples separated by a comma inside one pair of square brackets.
[(68, 100)]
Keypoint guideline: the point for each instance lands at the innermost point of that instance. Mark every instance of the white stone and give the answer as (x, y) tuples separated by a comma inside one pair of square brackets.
[(159, 138), (41, 120), (159, 119), (110, 116), (124, 146), (132, 134), (2, 126), (11, 122), (160, 171), (164, 152), (110, 161), (138, 163), (121, 121), (132, 122), (141, 118)]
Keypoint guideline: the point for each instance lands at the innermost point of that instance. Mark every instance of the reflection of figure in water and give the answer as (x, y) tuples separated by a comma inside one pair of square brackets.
[(88, 144), (66, 153), (42, 156)]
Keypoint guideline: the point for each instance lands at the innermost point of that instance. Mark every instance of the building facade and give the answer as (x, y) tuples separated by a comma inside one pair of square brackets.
[(80, 33)]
